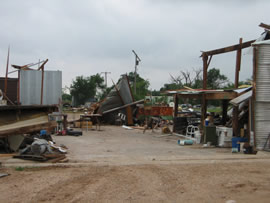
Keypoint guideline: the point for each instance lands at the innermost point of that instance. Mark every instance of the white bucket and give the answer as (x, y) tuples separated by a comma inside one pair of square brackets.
[(198, 137)]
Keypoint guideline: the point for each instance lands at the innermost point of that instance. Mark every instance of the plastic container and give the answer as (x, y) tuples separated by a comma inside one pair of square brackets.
[(224, 136), (43, 132), (206, 122), (185, 142), (236, 142)]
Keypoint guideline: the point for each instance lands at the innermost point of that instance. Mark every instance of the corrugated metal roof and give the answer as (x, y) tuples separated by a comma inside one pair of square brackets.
[(261, 42), (238, 100)]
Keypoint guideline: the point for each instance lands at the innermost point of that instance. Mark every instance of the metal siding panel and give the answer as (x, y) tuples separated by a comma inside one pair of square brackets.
[(30, 91), (52, 87), (263, 74), (262, 104), (30, 87)]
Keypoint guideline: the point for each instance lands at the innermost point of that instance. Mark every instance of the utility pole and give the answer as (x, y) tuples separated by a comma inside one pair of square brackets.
[(137, 60), (106, 77), (6, 79)]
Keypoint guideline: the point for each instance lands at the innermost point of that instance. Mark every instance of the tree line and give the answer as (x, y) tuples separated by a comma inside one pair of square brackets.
[(92, 87)]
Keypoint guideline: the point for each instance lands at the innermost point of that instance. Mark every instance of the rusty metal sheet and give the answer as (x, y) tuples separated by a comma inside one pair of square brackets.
[(156, 111)]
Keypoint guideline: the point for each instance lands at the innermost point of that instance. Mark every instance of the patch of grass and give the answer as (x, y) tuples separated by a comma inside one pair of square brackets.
[(19, 168), (215, 110)]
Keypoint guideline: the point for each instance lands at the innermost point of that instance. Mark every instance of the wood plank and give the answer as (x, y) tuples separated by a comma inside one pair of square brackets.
[(28, 129), (221, 95), (265, 26), (238, 64), (129, 115), (228, 49)]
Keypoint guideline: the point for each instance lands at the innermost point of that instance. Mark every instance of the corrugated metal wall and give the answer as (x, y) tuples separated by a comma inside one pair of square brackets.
[(262, 103), (30, 87)]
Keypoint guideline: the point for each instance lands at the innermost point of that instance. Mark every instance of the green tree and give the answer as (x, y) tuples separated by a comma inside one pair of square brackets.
[(142, 86), (84, 88), (66, 98), (170, 86), (216, 80)]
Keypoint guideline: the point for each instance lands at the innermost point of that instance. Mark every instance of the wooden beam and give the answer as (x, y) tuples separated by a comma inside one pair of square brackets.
[(27, 129), (225, 104), (205, 66), (255, 59), (6, 79), (238, 65), (18, 88), (42, 84), (129, 115), (265, 26), (43, 64), (175, 113), (203, 111), (228, 49), (221, 96), (124, 106), (211, 96)]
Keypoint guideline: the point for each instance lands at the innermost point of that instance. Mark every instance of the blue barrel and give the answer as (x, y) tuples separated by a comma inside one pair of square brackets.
[(236, 140), (43, 132)]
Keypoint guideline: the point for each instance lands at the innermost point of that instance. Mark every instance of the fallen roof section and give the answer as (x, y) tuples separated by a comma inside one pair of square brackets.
[(238, 100), (119, 96), (198, 93)]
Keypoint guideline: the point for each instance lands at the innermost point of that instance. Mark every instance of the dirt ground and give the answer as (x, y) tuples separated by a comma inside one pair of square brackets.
[(118, 165)]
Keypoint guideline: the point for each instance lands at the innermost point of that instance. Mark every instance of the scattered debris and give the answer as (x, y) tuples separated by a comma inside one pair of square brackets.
[(4, 175)]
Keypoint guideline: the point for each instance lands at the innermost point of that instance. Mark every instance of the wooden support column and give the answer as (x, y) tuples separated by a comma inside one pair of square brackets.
[(205, 67), (238, 64), (6, 79), (42, 83), (18, 88), (236, 84), (253, 100), (175, 114), (204, 101), (129, 115), (235, 121), (224, 111)]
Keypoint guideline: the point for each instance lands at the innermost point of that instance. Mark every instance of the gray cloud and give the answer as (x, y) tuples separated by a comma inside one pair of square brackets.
[(87, 37)]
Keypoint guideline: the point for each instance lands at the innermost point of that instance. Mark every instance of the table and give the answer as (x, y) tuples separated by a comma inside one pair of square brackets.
[(93, 117)]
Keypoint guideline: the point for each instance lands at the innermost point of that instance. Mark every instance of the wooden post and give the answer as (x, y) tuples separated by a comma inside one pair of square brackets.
[(235, 121), (129, 115), (238, 64), (205, 66), (255, 55), (236, 83), (42, 82), (175, 114), (6, 79), (224, 111), (18, 87), (204, 102)]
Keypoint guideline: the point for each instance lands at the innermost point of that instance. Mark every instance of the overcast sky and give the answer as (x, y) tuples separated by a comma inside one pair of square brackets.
[(86, 37)]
